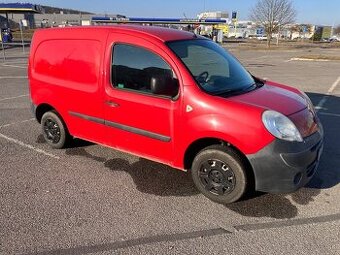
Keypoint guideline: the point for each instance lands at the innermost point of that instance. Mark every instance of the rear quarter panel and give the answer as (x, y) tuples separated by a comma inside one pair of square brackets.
[(65, 72)]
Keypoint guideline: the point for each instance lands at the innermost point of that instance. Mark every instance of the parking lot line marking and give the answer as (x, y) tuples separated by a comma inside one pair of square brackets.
[(31, 147), (308, 60), (329, 92), (289, 223), (329, 114), (15, 63), (13, 77), (148, 240), (15, 123), (23, 67), (10, 98), (334, 85)]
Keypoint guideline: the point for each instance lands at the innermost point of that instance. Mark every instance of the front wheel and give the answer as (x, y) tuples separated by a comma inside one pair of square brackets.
[(219, 173)]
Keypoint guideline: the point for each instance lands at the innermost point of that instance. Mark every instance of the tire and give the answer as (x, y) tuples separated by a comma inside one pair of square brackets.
[(219, 173), (54, 130)]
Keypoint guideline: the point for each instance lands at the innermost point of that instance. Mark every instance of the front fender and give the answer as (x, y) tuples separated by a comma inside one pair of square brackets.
[(244, 132)]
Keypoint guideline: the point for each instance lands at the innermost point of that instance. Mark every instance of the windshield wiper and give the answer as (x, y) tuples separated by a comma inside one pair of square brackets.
[(224, 92), (259, 82), (235, 91)]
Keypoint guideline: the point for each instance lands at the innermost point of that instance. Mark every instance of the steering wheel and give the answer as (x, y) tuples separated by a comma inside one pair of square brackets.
[(203, 77)]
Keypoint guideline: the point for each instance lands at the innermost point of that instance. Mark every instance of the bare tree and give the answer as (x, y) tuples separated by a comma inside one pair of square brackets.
[(273, 15)]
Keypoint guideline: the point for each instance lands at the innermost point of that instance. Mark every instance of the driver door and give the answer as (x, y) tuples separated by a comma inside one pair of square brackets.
[(137, 120)]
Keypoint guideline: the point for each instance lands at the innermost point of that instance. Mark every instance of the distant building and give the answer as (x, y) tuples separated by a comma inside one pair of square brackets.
[(48, 17), (213, 15), (49, 20), (298, 31), (208, 30), (243, 29), (323, 32), (54, 19)]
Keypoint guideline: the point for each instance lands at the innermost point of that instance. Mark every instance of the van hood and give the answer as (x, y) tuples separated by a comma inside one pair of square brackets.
[(271, 97)]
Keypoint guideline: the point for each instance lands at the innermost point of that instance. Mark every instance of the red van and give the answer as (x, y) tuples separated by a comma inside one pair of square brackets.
[(175, 98)]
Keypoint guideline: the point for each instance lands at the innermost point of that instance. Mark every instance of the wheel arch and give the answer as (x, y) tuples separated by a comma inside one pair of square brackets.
[(198, 145), (42, 109)]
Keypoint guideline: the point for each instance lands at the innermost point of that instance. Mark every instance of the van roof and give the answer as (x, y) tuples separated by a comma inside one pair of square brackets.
[(161, 33)]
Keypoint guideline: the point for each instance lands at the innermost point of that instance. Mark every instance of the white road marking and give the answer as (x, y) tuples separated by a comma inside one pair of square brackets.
[(308, 59), (334, 85), (40, 151), (10, 98), (13, 77), (23, 67), (15, 63), (329, 114), (15, 123), (329, 92)]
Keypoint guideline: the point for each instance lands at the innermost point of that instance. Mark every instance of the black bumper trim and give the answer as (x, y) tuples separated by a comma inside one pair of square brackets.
[(283, 167)]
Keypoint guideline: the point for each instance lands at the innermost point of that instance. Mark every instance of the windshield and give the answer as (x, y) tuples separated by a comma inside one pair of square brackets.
[(214, 69)]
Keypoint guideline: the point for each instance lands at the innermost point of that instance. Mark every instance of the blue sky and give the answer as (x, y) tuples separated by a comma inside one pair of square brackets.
[(320, 12)]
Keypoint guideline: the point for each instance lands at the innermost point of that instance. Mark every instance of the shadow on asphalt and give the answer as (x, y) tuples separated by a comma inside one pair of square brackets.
[(157, 179), (274, 206), (75, 143), (328, 174), (150, 177)]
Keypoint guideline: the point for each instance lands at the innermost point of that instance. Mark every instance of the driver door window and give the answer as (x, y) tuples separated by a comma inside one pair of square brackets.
[(133, 68)]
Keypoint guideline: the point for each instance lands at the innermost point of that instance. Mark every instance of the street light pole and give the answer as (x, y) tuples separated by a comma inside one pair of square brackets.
[(7, 20), (3, 49), (22, 36)]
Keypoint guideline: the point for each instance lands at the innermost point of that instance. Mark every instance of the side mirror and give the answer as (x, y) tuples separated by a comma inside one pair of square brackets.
[(164, 85)]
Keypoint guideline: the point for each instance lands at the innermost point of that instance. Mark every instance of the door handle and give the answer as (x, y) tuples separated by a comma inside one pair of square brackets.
[(111, 103)]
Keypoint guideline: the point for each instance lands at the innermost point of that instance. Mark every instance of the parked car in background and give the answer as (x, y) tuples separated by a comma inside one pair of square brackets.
[(334, 39), (262, 38), (6, 35)]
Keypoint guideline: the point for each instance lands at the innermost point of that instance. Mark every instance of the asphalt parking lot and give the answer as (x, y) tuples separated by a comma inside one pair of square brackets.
[(89, 199)]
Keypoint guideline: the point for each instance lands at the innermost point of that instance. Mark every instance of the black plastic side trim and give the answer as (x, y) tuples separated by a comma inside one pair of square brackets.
[(86, 117), (138, 131), (123, 127)]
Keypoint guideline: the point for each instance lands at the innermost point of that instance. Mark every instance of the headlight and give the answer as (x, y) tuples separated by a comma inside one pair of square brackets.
[(280, 126)]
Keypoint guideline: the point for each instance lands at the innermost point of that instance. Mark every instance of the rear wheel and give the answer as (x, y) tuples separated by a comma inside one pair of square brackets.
[(54, 130), (219, 173)]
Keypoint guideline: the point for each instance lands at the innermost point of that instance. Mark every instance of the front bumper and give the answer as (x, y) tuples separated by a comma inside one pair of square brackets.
[(284, 167)]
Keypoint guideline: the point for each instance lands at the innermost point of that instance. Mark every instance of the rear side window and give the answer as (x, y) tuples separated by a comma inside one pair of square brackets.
[(133, 67), (69, 63)]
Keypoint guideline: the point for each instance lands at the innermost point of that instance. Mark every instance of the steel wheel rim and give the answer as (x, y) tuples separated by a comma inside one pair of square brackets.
[(52, 130), (217, 177)]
